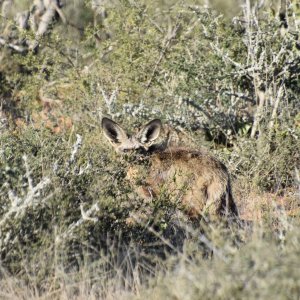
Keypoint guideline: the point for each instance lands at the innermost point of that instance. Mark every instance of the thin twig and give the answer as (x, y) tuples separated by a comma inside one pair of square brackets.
[(162, 54)]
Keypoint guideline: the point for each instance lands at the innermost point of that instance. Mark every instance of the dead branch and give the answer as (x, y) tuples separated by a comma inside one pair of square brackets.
[(275, 108), (259, 113), (169, 38), (38, 18), (12, 46)]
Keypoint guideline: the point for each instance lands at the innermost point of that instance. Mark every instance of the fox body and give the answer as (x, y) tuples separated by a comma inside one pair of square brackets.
[(194, 179)]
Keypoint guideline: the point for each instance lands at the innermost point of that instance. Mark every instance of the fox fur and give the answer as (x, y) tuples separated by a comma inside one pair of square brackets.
[(196, 180)]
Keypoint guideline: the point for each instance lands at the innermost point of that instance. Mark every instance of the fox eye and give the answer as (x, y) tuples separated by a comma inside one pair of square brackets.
[(126, 150), (141, 150)]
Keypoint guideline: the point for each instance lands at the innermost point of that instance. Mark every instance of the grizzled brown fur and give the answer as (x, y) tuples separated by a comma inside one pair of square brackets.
[(197, 180)]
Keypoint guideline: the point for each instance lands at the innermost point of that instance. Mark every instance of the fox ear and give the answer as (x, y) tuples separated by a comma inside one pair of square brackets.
[(113, 132), (150, 132)]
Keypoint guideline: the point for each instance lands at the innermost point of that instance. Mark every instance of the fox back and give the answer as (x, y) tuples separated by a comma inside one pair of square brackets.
[(193, 178)]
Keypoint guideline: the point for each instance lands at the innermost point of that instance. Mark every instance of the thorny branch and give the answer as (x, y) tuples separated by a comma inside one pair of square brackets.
[(85, 216), (19, 205), (76, 148), (38, 18), (170, 36)]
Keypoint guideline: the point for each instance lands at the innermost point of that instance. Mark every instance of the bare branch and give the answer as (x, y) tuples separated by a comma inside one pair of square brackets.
[(259, 113), (86, 216), (275, 107), (19, 205), (12, 46), (76, 148), (170, 36)]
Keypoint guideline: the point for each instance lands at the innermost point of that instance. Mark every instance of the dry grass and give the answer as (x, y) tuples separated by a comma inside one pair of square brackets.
[(258, 261)]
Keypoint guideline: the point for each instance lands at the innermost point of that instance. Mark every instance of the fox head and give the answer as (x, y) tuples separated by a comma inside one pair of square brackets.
[(139, 142)]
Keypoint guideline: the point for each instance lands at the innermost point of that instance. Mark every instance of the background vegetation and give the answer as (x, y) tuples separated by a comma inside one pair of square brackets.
[(224, 74)]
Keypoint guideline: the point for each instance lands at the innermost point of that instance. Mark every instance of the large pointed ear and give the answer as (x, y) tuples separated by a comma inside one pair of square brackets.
[(150, 132), (113, 132)]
